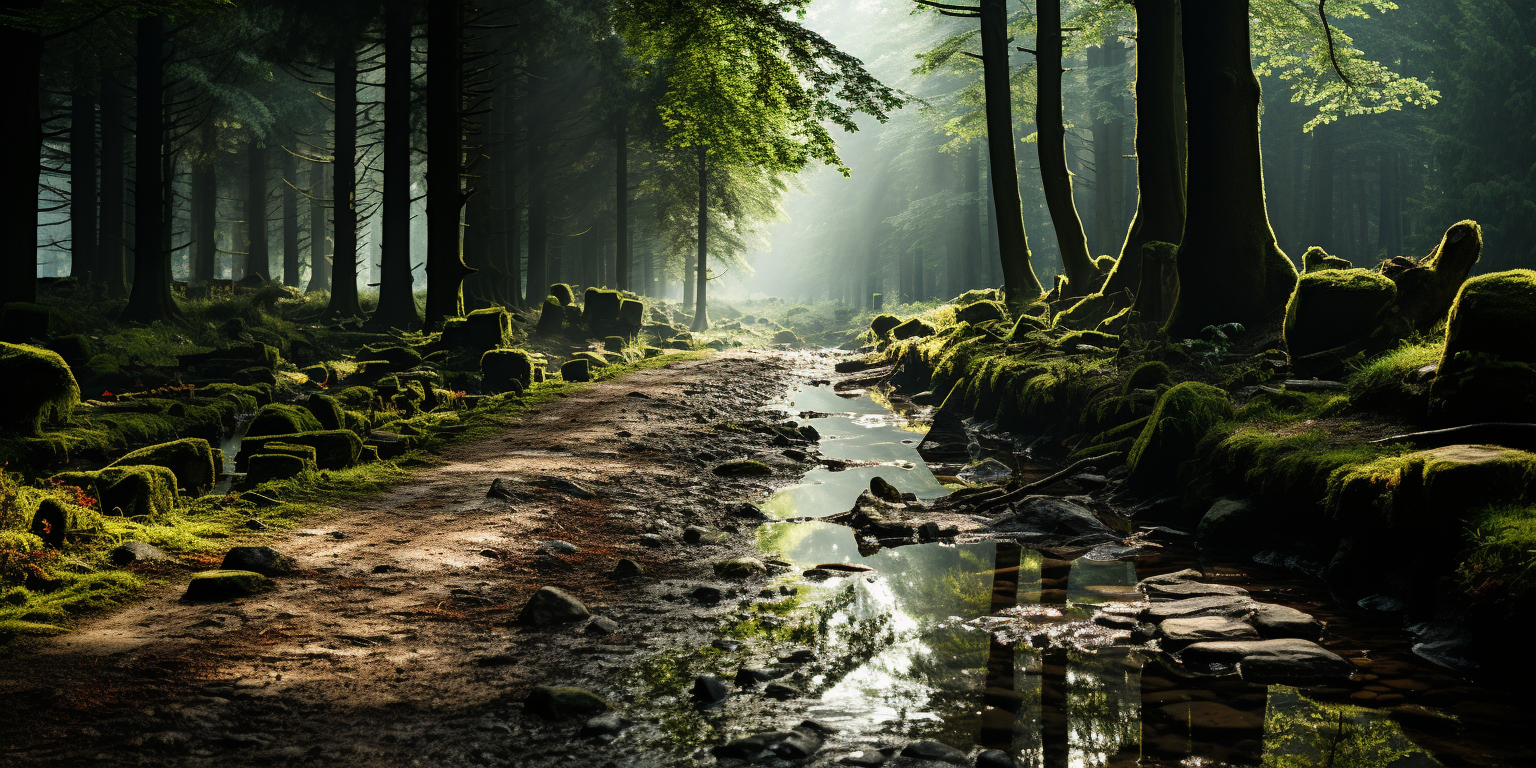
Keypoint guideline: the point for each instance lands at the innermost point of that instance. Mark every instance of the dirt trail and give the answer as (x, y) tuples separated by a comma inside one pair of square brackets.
[(396, 645)]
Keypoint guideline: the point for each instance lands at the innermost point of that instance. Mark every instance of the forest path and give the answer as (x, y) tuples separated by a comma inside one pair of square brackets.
[(396, 644)]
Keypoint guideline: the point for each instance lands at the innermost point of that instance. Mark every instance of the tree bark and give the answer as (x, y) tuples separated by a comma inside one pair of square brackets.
[(290, 221), (258, 253), (1230, 268), (82, 184), (397, 305), (621, 192), (319, 265), (1159, 168), (205, 210), (111, 259), (445, 196), (700, 313), (1020, 283), (20, 164), (1052, 146), (511, 206), (150, 300), (344, 301)]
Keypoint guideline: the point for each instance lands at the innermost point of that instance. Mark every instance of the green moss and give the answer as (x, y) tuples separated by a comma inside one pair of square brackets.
[(334, 448), (1340, 308), (600, 309), (1500, 569), (189, 459), (1182, 417), (327, 411), (912, 329), (980, 312), (1088, 312), (1076, 340), (1150, 375), (1317, 260), (787, 337), (1430, 492), (305, 453), (279, 419), (1488, 367), (1289, 470), (1392, 381), (35, 384), (1025, 325), (260, 393), (357, 398), (129, 491), (562, 294), (227, 585), (265, 467)]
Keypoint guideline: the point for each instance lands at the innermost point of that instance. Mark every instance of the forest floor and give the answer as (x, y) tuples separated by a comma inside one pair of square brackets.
[(397, 642)]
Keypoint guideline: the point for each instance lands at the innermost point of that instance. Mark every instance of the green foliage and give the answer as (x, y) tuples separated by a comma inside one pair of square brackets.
[(279, 419), (1501, 567)]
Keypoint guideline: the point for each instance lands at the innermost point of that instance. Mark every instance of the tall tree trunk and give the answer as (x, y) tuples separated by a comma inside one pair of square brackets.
[(21, 53), (319, 265), (1019, 279), (700, 313), (1320, 192), (621, 192), (205, 200), (82, 184), (510, 205), (1230, 268), (258, 253), (344, 301), (290, 220), (1159, 162), (537, 286), (1052, 146), (150, 300), (445, 197), (111, 260), (397, 305)]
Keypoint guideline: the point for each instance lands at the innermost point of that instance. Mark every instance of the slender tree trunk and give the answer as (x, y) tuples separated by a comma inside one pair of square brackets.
[(290, 220), (511, 206), (1052, 145), (150, 300), (1230, 268), (111, 259), (700, 314), (1020, 283), (82, 184), (1159, 162), (445, 196), (1109, 166), (621, 192), (319, 265), (344, 301), (258, 253), (397, 305)]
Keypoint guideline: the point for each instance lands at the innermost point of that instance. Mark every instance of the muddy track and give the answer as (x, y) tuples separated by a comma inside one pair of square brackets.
[(397, 643)]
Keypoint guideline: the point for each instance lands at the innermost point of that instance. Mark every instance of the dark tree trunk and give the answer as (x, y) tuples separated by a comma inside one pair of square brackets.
[(700, 312), (1052, 145), (1320, 192), (1159, 162), (111, 260), (397, 305), (621, 207), (319, 265), (290, 221), (150, 300), (82, 184), (538, 233), (1388, 236), (1230, 268), (258, 253), (1019, 278), (344, 301), (205, 206), (20, 165), (445, 197)]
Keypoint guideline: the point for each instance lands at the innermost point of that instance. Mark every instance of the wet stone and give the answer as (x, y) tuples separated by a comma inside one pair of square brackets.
[(934, 751), (556, 702), (740, 568), (1182, 632), (550, 606), (747, 677), (1188, 574), (884, 491), (995, 758), (707, 595), (601, 626), (707, 689), (1214, 605), (653, 540), (1287, 661), (1180, 590), (605, 727), (698, 534), (557, 547), (135, 552), (1279, 621), (1052, 515), (782, 691)]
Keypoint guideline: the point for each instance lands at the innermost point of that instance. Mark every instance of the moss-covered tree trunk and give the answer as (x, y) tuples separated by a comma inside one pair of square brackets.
[(397, 305), (150, 299), (344, 301), (111, 261), (1052, 146), (1230, 268), (446, 269), (319, 264), (258, 253), (700, 310), (205, 205), (21, 53), (290, 220), (1159, 168), (82, 184), (1019, 279)]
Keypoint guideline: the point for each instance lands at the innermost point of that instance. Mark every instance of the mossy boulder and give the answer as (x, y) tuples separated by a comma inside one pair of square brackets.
[(600, 309), (1342, 310), (1427, 496), (212, 586), (1183, 415), (740, 569), (478, 331), (395, 356), (579, 369), (35, 384), (334, 448), (551, 317), (1488, 366), (356, 398), (632, 314), (510, 369), (742, 469), (613, 344), (304, 453), (128, 490), (327, 410), (266, 467), (191, 460), (1317, 260), (57, 523), (280, 419), (980, 312), (76, 348), (912, 329), (787, 337), (883, 325), (563, 294), (261, 394), (21, 323)]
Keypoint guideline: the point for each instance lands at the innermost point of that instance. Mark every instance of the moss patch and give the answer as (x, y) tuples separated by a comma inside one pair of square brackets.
[(1488, 367), (278, 419), (35, 384), (190, 460), (1184, 414)]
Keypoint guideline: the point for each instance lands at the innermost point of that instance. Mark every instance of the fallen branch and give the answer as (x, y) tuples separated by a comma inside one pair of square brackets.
[(1511, 434), (1022, 491)]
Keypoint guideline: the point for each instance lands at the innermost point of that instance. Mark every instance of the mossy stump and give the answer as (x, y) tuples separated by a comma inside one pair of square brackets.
[(600, 310), (1337, 313), (1488, 366), (506, 370), (478, 331), (281, 419), (57, 523), (334, 448), (563, 294), (266, 467), (129, 491), (579, 369), (35, 384), (551, 317), (882, 325)]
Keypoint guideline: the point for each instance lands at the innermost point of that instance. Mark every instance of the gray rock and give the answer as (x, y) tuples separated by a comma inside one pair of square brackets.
[(1053, 515), (1288, 661), (995, 758), (746, 511), (135, 552), (698, 534), (707, 595), (263, 560), (557, 547), (870, 758), (653, 540), (933, 750), (567, 487), (1232, 524), (1188, 574), (1216, 605), (740, 568), (500, 489), (1279, 621), (707, 689), (801, 743), (1178, 633), (628, 569), (1179, 590), (802, 656), (747, 677), (550, 606), (558, 702), (883, 490), (782, 691), (601, 626), (605, 726)]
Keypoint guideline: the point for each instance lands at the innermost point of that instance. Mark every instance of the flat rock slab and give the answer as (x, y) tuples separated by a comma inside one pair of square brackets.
[(1201, 629), (227, 585), (1179, 590), (1279, 621), (1230, 606), (1289, 661), (1188, 574)]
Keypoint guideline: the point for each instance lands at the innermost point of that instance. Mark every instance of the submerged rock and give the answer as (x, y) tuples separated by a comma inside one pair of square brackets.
[(1286, 661), (934, 751), (550, 606), (1232, 607), (1180, 590)]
